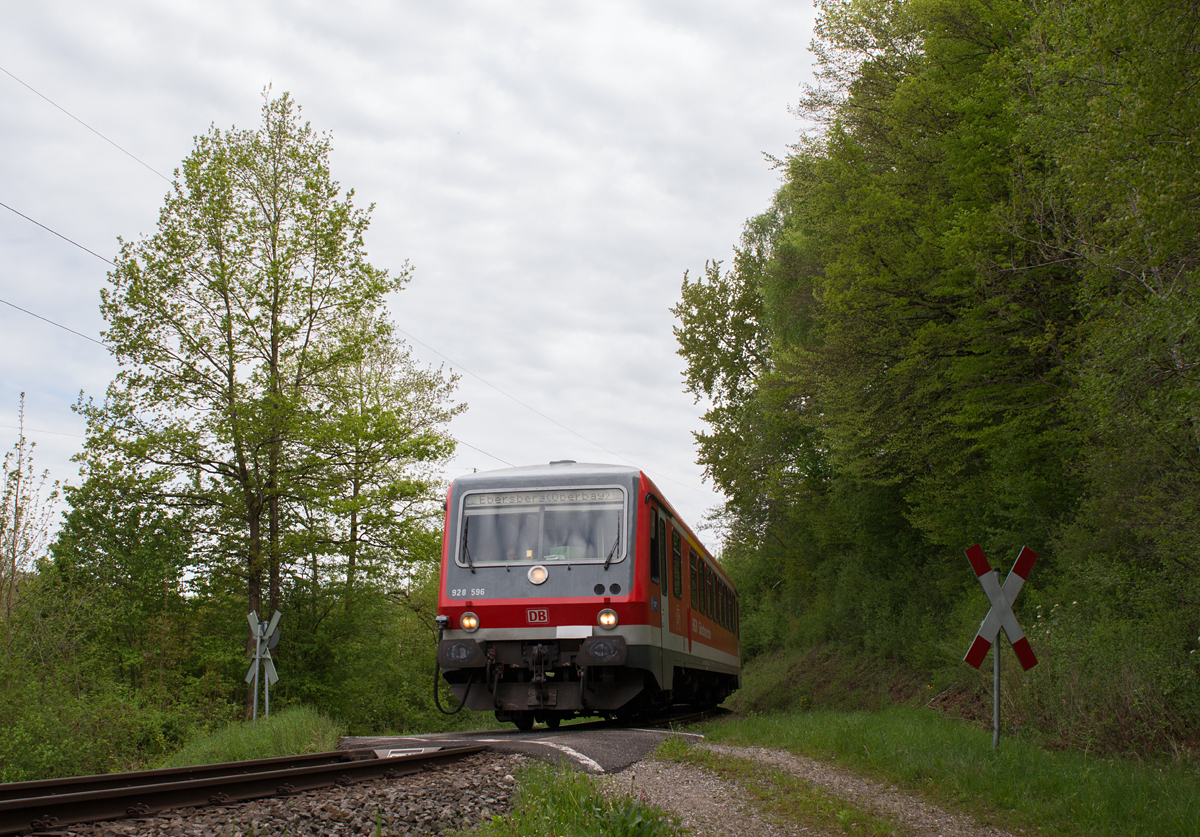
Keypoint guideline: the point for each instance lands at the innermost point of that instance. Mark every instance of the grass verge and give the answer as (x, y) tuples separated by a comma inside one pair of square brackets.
[(790, 801), (289, 732), (559, 802), (1020, 785)]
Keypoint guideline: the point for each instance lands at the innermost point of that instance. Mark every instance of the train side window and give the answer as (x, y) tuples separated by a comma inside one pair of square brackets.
[(692, 577), (654, 546), (711, 584), (677, 564)]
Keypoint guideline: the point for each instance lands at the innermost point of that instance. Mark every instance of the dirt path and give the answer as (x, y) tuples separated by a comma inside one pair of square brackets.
[(713, 807)]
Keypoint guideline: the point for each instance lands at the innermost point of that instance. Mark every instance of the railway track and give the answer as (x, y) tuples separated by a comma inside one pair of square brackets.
[(27, 807)]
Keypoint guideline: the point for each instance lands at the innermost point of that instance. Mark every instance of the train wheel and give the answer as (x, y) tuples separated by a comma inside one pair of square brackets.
[(552, 721), (523, 720)]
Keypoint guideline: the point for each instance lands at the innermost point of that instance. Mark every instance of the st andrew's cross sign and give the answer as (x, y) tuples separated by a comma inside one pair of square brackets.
[(1001, 614)]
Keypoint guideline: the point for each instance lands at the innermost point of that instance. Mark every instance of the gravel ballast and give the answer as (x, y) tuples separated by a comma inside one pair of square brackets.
[(439, 800)]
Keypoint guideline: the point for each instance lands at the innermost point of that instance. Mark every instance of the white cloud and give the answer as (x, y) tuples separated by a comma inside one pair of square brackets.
[(549, 169)]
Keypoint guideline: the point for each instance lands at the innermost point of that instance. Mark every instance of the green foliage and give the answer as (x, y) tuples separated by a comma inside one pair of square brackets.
[(267, 443), (25, 516), (822, 678), (275, 431), (560, 802), (1020, 785), (289, 732), (971, 314)]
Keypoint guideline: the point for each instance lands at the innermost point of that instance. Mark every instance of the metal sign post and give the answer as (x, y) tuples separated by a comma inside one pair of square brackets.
[(266, 637), (1000, 616), (995, 687)]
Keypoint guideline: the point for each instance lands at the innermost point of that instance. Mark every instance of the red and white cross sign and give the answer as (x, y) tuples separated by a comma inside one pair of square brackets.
[(1001, 614)]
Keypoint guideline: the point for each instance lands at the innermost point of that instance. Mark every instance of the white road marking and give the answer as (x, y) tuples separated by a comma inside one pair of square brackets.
[(669, 732), (575, 754)]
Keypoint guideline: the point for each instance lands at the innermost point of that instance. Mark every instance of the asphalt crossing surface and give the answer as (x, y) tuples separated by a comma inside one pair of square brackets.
[(590, 747)]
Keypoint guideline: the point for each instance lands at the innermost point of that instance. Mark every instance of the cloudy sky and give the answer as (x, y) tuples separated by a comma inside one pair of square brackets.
[(550, 170)]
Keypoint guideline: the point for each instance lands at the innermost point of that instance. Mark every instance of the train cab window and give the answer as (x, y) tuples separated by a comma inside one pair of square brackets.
[(501, 527), (692, 578), (654, 526), (677, 564)]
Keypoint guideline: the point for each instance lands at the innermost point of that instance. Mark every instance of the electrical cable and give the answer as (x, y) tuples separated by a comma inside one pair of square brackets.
[(84, 124), (57, 233), (57, 325), (437, 676), (538, 412)]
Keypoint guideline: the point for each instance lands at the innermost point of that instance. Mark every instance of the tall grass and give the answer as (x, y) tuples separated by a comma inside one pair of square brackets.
[(1063, 791), (291, 731), (560, 802)]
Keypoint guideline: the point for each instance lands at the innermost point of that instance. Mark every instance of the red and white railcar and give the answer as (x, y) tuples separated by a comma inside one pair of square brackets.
[(572, 589)]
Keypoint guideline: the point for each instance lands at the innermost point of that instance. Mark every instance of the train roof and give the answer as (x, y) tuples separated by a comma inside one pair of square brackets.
[(561, 470)]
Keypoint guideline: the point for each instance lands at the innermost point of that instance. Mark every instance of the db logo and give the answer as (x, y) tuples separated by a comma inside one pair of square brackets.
[(538, 616)]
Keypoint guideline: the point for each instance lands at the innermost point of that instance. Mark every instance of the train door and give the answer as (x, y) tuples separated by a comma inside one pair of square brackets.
[(664, 609), (659, 603)]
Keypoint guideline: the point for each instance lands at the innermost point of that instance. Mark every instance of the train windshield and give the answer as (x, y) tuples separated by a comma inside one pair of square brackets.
[(501, 527)]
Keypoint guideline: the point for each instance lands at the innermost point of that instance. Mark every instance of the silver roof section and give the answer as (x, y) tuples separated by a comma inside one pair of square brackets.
[(561, 473)]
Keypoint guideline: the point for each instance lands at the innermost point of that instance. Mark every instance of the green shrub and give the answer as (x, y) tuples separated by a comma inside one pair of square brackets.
[(291, 731), (51, 733)]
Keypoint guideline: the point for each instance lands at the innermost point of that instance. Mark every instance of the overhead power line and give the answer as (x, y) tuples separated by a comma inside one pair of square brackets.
[(57, 233), (56, 325), (538, 412), (514, 398), (129, 154)]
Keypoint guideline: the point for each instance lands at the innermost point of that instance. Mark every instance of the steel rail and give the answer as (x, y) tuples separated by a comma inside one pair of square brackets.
[(104, 781), (63, 804)]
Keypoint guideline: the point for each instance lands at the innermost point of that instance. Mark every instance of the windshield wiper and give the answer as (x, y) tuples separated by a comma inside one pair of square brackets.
[(616, 543), (466, 545)]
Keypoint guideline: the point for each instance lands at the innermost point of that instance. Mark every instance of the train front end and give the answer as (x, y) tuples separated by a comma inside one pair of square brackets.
[(544, 616)]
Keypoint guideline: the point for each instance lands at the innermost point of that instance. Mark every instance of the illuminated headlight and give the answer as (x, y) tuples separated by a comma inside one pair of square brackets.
[(537, 574), (469, 622), (607, 618)]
